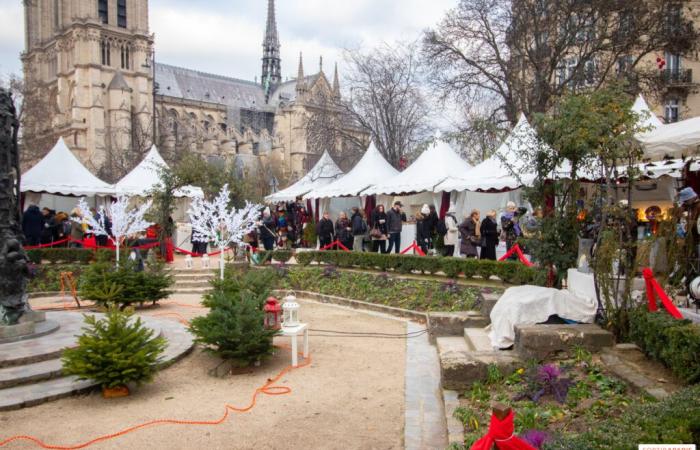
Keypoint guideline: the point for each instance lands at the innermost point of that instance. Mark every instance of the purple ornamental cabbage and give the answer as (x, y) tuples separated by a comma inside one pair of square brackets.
[(536, 438)]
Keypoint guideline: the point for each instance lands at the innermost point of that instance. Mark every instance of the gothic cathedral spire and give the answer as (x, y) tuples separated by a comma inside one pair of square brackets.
[(271, 61), (301, 81)]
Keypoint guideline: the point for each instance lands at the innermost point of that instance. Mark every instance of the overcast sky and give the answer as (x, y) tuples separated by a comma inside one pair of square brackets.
[(225, 36)]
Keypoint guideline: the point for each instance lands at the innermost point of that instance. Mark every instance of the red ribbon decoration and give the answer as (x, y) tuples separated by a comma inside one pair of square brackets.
[(501, 434), (415, 247), (516, 249), (335, 243), (654, 289)]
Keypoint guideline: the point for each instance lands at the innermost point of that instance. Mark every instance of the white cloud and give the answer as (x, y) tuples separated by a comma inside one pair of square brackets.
[(225, 37)]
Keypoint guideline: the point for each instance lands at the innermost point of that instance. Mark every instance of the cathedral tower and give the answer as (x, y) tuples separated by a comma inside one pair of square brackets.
[(91, 60), (271, 61)]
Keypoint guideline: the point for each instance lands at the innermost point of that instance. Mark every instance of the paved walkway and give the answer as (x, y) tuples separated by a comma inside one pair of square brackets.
[(425, 418)]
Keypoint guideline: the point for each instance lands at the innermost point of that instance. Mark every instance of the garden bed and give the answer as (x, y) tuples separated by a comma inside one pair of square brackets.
[(47, 277), (551, 401)]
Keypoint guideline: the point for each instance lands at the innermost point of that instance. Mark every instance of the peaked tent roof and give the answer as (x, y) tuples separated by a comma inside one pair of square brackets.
[(145, 177), (673, 139), (432, 167), (496, 172), (60, 172), (324, 172), (370, 170), (648, 118)]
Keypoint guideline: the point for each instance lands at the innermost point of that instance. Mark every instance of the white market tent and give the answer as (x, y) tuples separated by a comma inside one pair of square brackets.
[(369, 171), (673, 139), (496, 172), (432, 167), (61, 173), (325, 171), (145, 178)]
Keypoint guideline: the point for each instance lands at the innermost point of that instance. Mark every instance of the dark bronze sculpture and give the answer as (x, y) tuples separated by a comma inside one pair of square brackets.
[(14, 268)]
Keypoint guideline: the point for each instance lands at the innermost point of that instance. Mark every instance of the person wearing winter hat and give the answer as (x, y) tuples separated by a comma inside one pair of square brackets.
[(423, 229), (452, 236)]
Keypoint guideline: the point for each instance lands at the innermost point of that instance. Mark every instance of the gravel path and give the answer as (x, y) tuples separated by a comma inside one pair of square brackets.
[(350, 397)]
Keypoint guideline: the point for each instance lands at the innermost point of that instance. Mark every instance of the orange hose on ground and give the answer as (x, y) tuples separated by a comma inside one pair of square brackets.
[(268, 389)]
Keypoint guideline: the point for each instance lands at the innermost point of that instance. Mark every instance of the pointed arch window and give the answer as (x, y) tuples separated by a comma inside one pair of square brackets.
[(126, 57), (103, 10), (105, 52)]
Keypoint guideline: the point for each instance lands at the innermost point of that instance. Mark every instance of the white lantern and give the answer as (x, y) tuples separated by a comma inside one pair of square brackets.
[(290, 311)]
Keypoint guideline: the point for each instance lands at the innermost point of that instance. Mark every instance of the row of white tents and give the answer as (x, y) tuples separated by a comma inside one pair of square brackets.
[(490, 184), (60, 177)]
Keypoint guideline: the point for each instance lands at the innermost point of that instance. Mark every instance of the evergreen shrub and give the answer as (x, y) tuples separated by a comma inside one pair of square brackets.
[(115, 350)]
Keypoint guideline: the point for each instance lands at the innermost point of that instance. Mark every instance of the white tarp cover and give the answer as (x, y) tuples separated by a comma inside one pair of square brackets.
[(323, 173), (145, 178), (673, 139), (530, 305), (496, 173), (60, 172), (432, 167), (370, 170)]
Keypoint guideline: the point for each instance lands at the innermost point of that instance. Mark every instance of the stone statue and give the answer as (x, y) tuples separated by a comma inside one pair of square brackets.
[(14, 268)]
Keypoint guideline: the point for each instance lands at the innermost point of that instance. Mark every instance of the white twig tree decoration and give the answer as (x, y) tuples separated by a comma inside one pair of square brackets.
[(214, 222), (125, 221)]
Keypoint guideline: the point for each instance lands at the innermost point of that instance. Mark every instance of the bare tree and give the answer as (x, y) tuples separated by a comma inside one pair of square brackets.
[(386, 100), (527, 53), (37, 109)]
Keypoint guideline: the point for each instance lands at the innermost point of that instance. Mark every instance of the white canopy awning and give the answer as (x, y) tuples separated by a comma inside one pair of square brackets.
[(325, 171), (370, 170), (673, 139), (60, 172), (496, 172), (145, 177), (432, 167)]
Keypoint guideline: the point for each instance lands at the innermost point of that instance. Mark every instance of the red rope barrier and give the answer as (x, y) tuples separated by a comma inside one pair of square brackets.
[(654, 289), (516, 249), (335, 243), (52, 244), (415, 247)]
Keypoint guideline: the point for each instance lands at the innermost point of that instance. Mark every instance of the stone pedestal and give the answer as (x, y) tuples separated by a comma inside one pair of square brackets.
[(27, 326)]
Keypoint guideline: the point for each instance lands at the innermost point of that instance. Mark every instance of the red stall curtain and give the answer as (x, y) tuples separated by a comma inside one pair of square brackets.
[(445, 206)]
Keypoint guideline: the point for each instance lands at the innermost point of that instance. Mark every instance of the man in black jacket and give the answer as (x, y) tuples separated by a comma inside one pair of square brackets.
[(325, 230), (395, 219)]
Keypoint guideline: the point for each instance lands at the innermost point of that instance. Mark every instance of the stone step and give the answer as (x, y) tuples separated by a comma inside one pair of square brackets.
[(203, 272), (454, 323), (191, 284), (30, 373), (542, 342), (192, 290), (627, 362), (477, 340), (34, 392), (190, 276), (460, 367)]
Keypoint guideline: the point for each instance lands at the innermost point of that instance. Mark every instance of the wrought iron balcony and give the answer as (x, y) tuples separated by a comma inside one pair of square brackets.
[(677, 76)]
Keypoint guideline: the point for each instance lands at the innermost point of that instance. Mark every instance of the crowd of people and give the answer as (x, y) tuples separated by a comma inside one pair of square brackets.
[(46, 226), (285, 226)]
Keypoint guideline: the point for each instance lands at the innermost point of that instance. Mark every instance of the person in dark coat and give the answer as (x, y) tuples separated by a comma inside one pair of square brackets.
[(266, 230), (394, 222), (432, 220), (423, 235), (33, 225), (325, 230), (489, 236), (379, 237), (470, 233), (359, 229), (343, 230), (48, 234), (102, 240)]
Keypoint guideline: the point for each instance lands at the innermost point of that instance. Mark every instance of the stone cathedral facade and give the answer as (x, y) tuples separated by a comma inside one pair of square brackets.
[(92, 62)]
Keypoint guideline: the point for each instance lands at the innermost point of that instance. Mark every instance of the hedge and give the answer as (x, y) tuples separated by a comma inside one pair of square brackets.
[(508, 271), (675, 343), (67, 255)]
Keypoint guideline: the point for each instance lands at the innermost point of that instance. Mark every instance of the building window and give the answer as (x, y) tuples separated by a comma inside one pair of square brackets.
[(126, 57), (103, 10), (56, 14), (105, 51), (672, 109), (121, 13)]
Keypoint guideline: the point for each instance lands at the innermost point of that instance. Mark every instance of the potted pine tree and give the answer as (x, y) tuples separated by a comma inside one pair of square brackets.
[(114, 351)]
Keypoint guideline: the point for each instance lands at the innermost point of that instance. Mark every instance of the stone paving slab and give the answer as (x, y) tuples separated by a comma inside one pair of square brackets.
[(425, 417), (624, 361), (180, 343), (478, 340), (455, 429)]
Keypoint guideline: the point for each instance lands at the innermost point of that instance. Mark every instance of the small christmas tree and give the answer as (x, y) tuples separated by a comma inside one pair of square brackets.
[(114, 351), (234, 328)]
